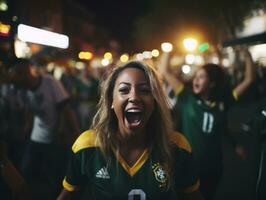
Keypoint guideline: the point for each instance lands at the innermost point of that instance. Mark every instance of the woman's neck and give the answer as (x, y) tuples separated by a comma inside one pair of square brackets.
[(136, 140), (132, 148), (132, 155)]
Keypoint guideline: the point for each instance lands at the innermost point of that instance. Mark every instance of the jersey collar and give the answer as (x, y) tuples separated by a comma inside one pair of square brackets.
[(139, 163)]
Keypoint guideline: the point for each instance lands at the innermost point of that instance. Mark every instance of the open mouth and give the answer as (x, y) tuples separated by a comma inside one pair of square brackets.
[(134, 117), (196, 86)]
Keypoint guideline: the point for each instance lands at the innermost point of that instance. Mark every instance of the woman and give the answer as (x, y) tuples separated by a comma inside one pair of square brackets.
[(202, 112), (131, 151)]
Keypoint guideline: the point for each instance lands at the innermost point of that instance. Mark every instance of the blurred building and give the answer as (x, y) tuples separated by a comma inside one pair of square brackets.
[(61, 16), (253, 35)]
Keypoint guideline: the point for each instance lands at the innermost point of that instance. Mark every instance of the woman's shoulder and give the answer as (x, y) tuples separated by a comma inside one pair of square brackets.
[(87, 139), (180, 141)]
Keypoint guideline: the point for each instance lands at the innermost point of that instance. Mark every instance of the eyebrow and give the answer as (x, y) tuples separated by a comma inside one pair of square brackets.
[(140, 84)]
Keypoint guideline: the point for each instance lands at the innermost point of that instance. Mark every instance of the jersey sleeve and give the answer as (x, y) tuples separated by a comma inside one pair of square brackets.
[(186, 178), (75, 173), (74, 178)]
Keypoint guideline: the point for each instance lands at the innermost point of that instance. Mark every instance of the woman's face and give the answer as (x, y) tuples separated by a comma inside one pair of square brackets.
[(133, 102), (201, 83)]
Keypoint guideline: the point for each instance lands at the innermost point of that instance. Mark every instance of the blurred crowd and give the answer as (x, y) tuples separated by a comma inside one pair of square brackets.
[(41, 115)]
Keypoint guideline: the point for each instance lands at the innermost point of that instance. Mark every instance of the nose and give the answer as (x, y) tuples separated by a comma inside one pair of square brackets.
[(134, 96)]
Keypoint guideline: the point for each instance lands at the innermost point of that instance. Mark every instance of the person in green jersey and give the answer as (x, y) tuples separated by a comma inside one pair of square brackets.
[(131, 151), (202, 115)]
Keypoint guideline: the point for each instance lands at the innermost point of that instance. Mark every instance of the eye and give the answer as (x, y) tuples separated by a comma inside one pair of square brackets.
[(123, 90), (145, 90)]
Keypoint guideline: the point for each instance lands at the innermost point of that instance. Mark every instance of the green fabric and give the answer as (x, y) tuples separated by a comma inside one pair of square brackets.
[(88, 168), (202, 125)]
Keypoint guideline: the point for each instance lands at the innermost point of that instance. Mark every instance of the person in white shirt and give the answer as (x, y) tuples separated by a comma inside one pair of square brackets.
[(47, 99)]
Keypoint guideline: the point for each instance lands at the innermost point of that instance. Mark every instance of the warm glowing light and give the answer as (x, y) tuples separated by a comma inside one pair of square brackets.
[(190, 59), (96, 63), (85, 55), (4, 29), (22, 50), (108, 56), (199, 60), (3, 6), (105, 62), (139, 56), (186, 69), (147, 54), (166, 47), (155, 53), (41, 36), (226, 62), (80, 65), (215, 60), (190, 44), (124, 58), (81, 55)]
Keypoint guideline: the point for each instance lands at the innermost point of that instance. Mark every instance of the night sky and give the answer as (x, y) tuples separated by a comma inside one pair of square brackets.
[(117, 17), (147, 23)]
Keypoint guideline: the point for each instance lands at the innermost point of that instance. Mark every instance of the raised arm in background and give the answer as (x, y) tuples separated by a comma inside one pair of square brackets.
[(170, 78), (249, 75)]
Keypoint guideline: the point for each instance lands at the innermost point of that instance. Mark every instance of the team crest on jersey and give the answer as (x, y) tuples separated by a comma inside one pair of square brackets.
[(160, 174)]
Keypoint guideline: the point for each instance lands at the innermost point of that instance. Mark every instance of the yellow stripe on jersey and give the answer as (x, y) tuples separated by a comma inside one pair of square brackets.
[(181, 141), (86, 140), (192, 188), (134, 169), (179, 89), (69, 187), (235, 95)]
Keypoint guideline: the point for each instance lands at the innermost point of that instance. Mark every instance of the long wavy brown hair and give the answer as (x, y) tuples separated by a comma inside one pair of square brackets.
[(159, 126)]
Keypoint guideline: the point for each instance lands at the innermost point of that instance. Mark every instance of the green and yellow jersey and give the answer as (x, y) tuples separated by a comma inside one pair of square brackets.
[(146, 179), (202, 124)]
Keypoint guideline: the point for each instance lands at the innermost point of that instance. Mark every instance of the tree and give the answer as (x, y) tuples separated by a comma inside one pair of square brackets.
[(215, 21)]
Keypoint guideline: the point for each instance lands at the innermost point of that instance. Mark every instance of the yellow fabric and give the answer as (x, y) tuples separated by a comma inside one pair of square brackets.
[(69, 187), (134, 169), (179, 89), (235, 95), (86, 140), (181, 141)]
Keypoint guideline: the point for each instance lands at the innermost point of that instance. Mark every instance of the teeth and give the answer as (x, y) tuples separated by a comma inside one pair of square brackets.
[(134, 110)]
